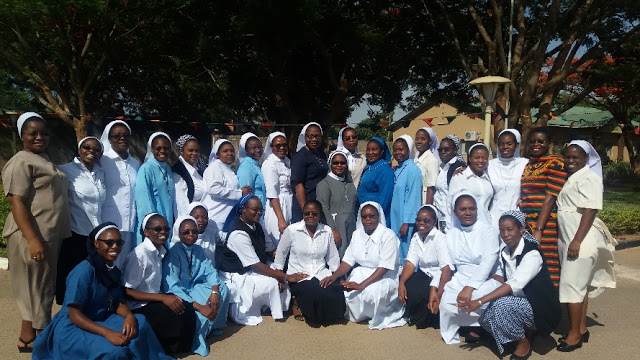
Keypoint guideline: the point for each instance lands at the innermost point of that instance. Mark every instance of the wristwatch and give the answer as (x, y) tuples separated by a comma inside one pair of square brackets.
[(537, 228)]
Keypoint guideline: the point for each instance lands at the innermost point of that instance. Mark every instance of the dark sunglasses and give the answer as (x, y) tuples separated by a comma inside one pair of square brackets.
[(426, 221), (159, 228), (187, 232), (88, 147), (110, 243), (279, 146), (338, 163), (347, 138), (310, 213)]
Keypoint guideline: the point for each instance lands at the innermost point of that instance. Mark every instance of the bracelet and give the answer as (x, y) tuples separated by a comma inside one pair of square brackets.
[(537, 228), (480, 302), (214, 292)]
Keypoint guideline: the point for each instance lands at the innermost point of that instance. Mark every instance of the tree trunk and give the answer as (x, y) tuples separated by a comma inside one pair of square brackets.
[(620, 156), (80, 125)]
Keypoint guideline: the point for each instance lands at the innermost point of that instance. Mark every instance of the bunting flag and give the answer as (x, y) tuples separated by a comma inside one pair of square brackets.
[(428, 121), (451, 118)]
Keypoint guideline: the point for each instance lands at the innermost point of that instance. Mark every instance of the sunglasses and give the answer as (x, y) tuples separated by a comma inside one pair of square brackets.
[(445, 149), (159, 228), (88, 148), (338, 163), (258, 210), (279, 146), (187, 232), (310, 213), (364, 217), (313, 137), (426, 221), (110, 243), (347, 138)]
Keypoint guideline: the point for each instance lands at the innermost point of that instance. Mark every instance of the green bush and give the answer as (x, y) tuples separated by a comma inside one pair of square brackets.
[(621, 221), (618, 171), (5, 209)]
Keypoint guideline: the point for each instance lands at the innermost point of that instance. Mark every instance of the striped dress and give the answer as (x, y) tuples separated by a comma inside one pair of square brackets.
[(542, 176)]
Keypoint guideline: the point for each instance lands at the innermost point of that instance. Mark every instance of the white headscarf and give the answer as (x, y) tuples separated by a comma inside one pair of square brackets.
[(242, 151), (194, 205), (90, 137), (23, 119), (476, 145), (267, 146), (104, 139), (145, 220), (435, 143), (334, 153), (341, 142), (175, 233), (409, 141), (382, 221), (302, 142), (151, 138), (518, 137), (482, 216), (216, 146), (594, 163)]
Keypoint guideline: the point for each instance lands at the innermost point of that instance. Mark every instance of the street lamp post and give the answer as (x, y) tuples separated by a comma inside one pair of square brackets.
[(489, 86)]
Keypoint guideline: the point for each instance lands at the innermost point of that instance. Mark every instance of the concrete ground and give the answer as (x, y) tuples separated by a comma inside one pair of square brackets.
[(614, 317)]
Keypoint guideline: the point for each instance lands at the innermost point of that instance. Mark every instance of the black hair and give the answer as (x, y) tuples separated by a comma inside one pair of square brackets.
[(345, 129), (313, 126), (371, 206), (313, 202), (508, 133), (543, 130), (480, 146), (578, 146), (431, 211), (464, 196), (403, 140)]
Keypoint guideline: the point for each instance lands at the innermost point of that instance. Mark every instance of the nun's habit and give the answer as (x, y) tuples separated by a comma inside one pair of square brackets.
[(221, 186)]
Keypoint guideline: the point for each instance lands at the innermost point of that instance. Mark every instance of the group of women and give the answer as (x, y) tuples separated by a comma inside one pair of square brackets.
[(148, 260)]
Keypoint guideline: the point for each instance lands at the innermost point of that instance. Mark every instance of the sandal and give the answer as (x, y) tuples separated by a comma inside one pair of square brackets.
[(26, 348), (297, 312)]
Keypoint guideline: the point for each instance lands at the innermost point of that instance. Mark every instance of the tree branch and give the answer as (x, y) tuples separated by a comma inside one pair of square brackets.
[(456, 41)]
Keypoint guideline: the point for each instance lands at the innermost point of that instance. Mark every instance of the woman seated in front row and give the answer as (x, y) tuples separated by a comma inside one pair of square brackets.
[(244, 264), (527, 300), (473, 248), (188, 273), (421, 291), (371, 291), (312, 250), (94, 322)]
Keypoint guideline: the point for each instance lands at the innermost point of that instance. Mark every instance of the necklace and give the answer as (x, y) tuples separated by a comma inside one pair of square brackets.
[(506, 182), (320, 161), (165, 177), (367, 246), (398, 173), (189, 260)]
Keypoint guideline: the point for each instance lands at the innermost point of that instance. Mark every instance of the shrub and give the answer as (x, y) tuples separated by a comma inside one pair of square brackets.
[(621, 221), (5, 209), (618, 171)]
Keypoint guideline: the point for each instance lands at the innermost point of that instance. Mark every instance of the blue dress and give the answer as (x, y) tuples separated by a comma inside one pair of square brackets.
[(407, 198), (376, 184), (155, 192), (249, 173), (62, 339), (189, 274)]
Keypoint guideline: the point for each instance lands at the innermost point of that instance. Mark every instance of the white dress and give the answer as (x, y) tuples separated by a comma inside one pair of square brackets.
[(593, 269), (441, 197), (478, 186), (251, 291), (222, 191), (182, 200), (87, 193), (428, 165), (505, 175), (277, 180), (474, 254), (379, 301)]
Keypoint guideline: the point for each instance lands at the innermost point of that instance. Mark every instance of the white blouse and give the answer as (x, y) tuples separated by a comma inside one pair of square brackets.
[(240, 243), (478, 186), (120, 181), (441, 197), (87, 193), (431, 255), (379, 249), (182, 200), (316, 256), (143, 270), (277, 176), (222, 192), (519, 276), (505, 175), (428, 165)]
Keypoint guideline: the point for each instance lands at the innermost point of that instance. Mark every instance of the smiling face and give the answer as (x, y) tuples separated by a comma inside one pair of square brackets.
[(478, 159), (202, 218), (253, 147), (369, 215), (311, 215), (466, 210), (447, 150), (374, 151), (539, 144), (313, 137), (119, 137), (188, 232), (507, 145), (422, 140), (226, 153), (400, 150), (89, 152), (575, 158), (161, 148), (157, 230), (279, 146), (339, 165), (191, 152), (350, 139), (35, 136), (251, 211), (425, 221), (510, 231), (108, 253)]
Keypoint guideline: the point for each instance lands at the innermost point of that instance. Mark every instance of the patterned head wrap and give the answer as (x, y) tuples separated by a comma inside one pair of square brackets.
[(519, 215), (181, 142), (456, 142)]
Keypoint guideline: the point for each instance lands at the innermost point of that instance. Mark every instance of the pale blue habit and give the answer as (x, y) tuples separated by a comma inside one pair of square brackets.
[(407, 195), (189, 274), (154, 192), (249, 173)]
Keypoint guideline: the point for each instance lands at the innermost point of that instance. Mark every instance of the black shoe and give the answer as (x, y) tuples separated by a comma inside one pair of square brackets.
[(564, 347), (517, 357), (584, 337)]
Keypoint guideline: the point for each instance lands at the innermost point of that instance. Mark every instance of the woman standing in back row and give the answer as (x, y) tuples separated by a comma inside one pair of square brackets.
[(276, 170), (308, 167)]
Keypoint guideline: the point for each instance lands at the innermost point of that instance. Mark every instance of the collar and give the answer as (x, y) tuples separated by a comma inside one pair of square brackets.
[(375, 236), (424, 155), (506, 252), (188, 166), (150, 247), (583, 170), (218, 161), (80, 165), (339, 178), (300, 226), (469, 173)]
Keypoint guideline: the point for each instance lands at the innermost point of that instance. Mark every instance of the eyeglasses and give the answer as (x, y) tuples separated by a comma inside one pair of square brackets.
[(255, 148), (257, 210), (338, 163), (313, 137), (110, 243), (444, 149), (426, 221), (87, 147), (280, 146), (159, 228), (162, 148), (119, 136), (538, 141), (311, 213), (369, 216), (36, 133), (187, 232)]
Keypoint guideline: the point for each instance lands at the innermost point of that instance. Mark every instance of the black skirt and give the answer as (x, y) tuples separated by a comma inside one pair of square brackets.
[(416, 311), (175, 332), (72, 252), (318, 304)]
